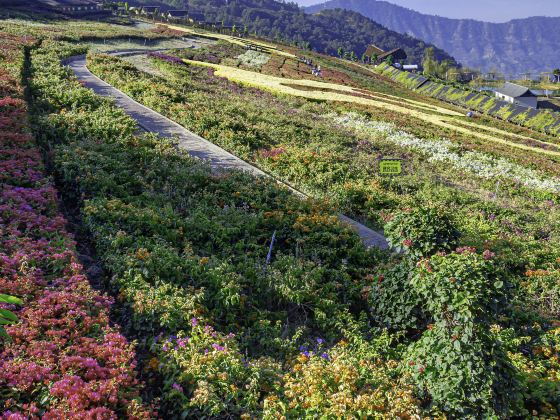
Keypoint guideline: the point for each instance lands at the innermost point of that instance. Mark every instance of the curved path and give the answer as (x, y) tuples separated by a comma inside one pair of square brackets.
[(218, 158)]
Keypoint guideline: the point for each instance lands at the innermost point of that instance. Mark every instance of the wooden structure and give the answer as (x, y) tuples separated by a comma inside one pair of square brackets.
[(176, 15), (376, 55), (372, 52), (150, 11)]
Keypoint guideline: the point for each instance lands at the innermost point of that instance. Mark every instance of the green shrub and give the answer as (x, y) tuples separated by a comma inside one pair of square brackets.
[(395, 304), (458, 361), (421, 231)]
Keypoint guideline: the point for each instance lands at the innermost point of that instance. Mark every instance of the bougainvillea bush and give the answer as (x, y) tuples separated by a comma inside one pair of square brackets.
[(62, 358)]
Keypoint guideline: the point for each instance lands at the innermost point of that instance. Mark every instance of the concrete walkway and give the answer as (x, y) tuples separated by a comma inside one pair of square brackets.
[(218, 158)]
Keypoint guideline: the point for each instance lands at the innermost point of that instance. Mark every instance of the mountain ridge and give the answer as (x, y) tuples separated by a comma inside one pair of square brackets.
[(324, 32), (516, 46)]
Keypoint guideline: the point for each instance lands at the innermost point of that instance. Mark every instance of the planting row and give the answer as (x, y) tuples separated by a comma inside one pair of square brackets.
[(61, 359), (539, 120), (335, 157)]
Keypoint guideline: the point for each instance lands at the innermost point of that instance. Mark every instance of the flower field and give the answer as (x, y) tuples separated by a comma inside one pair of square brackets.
[(244, 300), (62, 359)]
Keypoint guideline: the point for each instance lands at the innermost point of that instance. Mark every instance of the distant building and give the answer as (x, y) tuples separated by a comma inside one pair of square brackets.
[(517, 95), (197, 18), (176, 15), (149, 10), (398, 55), (376, 55), (373, 51), (410, 67)]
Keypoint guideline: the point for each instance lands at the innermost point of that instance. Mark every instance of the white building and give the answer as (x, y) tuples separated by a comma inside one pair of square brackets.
[(517, 95)]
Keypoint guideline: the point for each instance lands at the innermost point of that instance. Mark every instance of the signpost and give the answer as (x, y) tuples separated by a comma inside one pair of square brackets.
[(390, 166)]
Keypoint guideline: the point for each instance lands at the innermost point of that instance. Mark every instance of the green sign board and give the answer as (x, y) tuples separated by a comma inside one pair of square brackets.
[(390, 166)]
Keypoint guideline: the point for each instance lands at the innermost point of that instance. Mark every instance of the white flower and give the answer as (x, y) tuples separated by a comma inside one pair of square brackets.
[(253, 58), (441, 150)]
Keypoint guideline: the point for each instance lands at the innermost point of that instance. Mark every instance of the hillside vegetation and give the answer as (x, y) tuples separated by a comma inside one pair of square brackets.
[(245, 300), (325, 32), (515, 47)]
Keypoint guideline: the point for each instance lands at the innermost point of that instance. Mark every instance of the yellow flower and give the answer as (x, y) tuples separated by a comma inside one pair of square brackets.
[(142, 254), (153, 364)]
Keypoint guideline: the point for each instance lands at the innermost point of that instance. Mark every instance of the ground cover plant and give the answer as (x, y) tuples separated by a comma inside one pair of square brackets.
[(59, 357), (327, 160), (249, 302)]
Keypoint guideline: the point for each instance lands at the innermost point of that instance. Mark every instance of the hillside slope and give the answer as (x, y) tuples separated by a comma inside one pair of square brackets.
[(325, 32), (513, 47)]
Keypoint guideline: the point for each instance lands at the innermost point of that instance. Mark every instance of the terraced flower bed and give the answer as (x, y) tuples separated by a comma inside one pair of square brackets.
[(250, 303), (302, 143), (63, 359)]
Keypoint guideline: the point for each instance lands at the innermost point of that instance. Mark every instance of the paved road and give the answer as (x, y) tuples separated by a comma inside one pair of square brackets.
[(218, 158)]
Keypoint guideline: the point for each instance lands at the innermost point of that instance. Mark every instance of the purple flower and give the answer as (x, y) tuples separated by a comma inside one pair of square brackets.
[(194, 322), (205, 351), (302, 348), (320, 341), (177, 387), (305, 353), (182, 342), (165, 57), (325, 356), (218, 347)]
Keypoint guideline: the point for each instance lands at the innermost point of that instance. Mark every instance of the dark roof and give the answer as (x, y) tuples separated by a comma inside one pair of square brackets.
[(392, 52), (196, 16), (373, 50), (150, 8), (514, 91), (178, 13), (66, 3)]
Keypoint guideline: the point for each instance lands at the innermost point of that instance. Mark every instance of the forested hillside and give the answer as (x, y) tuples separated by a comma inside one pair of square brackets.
[(513, 47), (324, 32)]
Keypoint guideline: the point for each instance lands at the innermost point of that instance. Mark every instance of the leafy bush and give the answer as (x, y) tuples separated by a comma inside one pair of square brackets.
[(421, 231), (395, 304), (458, 360), (7, 317)]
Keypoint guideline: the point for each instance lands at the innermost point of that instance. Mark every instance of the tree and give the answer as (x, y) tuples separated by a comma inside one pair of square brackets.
[(429, 64), (389, 60), (556, 73), (353, 56), (364, 57), (340, 52)]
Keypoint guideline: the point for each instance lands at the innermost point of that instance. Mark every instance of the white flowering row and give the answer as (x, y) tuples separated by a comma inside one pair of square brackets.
[(254, 59), (442, 150)]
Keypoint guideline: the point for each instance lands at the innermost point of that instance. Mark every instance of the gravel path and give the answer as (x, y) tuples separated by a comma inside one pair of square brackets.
[(196, 146)]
